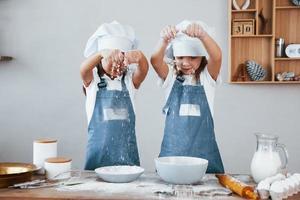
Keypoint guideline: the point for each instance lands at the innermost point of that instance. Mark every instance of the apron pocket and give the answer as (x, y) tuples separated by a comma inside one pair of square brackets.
[(115, 114), (190, 110)]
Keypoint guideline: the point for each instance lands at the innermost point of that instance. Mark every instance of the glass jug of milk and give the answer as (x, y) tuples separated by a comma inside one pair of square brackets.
[(266, 160)]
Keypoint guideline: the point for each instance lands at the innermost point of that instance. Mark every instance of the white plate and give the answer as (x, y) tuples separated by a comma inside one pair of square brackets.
[(119, 174)]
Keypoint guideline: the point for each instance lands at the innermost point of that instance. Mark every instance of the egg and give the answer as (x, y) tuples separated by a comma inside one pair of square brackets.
[(285, 189), (289, 185), (277, 191), (263, 188), (294, 184), (263, 185), (297, 179)]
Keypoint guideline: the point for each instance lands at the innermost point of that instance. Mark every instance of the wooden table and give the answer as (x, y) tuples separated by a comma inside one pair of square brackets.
[(135, 190)]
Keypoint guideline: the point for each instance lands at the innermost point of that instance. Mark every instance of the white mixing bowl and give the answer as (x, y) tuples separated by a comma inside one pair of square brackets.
[(181, 169)]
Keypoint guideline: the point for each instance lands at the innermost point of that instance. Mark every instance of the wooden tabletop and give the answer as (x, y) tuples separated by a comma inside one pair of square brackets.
[(144, 188)]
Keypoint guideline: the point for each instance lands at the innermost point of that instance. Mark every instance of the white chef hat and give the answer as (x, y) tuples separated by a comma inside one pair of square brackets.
[(111, 36), (183, 45)]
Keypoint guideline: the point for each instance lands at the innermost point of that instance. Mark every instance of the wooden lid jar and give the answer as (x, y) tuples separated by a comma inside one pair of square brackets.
[(58, 167), (43, 149)]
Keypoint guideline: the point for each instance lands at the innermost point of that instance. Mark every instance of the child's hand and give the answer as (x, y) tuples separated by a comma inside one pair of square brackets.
[(195, 30), (168, 33), (113, 64), (132, 57)]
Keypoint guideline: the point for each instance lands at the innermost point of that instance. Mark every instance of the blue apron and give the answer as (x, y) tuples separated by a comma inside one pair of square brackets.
[(190, 134), (111, 131)]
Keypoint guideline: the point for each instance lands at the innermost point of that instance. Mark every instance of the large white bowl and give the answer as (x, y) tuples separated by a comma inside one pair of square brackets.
[(181, 169), (119, 174)]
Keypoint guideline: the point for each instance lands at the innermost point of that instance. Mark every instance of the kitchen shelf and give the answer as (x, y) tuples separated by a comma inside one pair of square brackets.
[(244, 11), (251, 36), (286, 59), (287, 82), (251, 82), (265, 82), (272, 19), (287, 7)]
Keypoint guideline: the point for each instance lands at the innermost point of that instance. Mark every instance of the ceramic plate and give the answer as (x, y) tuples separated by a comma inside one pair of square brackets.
[(119, 174)]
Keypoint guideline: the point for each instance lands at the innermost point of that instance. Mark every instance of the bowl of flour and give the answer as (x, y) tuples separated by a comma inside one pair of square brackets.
[(120, 173)]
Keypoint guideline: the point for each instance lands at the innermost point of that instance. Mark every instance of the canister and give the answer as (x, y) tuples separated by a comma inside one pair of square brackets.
[(43, 149), (58, 167), (279, 47)]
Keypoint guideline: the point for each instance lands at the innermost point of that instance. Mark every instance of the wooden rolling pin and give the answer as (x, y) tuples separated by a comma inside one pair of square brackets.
[(237, 186)]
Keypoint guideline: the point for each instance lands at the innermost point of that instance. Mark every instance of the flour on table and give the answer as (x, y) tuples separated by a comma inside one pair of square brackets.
[(149, 185)]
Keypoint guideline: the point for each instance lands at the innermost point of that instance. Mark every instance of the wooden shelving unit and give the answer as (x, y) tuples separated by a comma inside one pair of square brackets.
[(282, 21)]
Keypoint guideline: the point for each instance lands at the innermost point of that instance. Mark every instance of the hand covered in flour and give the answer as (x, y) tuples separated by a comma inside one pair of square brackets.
[(131, 57), (168, 33), (195, 30), (113, 63)]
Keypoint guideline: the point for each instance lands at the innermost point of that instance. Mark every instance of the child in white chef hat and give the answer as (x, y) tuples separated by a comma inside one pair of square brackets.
[(111, 74), (189, 79)]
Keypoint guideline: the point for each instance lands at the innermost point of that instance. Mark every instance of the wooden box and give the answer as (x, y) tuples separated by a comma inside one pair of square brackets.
[(243, 27)]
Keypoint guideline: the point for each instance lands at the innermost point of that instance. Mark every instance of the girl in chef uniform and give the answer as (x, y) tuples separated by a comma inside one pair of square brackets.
[(111, 74), (189, 80)]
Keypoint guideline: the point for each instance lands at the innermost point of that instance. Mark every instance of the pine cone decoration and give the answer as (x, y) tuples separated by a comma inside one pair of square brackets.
[(255, 71), (296, 2)]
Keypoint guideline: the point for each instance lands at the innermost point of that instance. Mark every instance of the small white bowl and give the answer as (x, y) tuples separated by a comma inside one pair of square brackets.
[(181, 169), (119, 174)]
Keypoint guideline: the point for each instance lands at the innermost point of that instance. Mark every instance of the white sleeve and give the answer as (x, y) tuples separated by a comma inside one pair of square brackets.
[(129, 82), (210, 80), (91, 93), (165, 83), (95, 78)]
